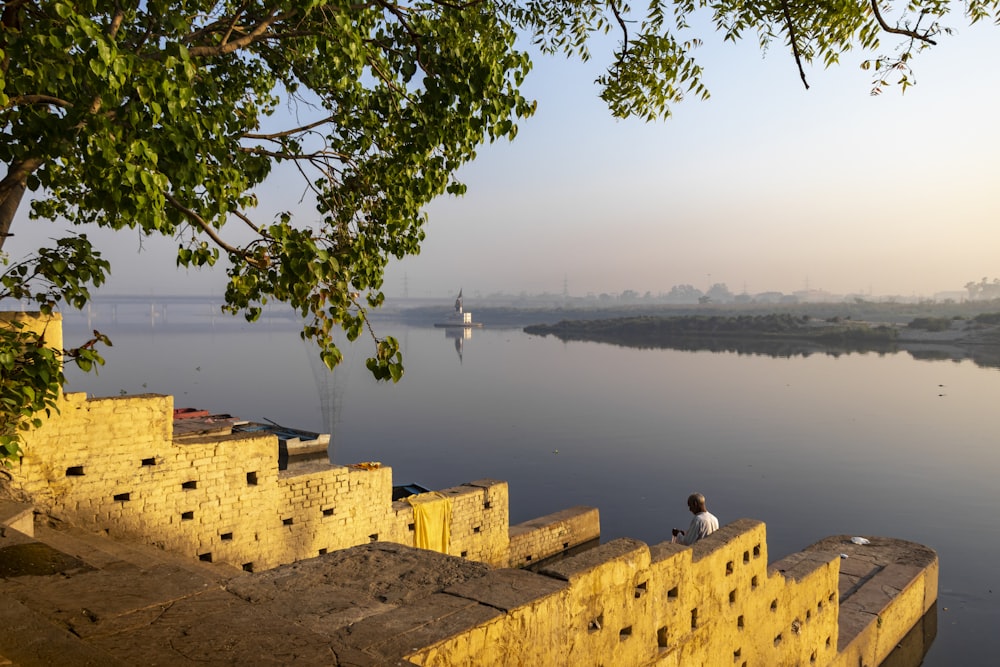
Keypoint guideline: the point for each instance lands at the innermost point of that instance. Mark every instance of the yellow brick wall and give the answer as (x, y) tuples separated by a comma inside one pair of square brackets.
[(625, 603), (534, 540), (50, 327), (112, 464)]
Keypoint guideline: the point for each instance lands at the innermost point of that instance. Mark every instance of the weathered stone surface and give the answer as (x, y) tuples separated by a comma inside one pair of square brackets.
[(507, 589), (423, 622), (28, 638), (575, 566)]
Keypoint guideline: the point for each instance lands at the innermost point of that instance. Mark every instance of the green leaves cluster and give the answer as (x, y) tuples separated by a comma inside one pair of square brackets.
[(31, 376), (31, 379)]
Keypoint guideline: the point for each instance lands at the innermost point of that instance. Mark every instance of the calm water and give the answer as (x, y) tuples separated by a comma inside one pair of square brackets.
[(814, 446)]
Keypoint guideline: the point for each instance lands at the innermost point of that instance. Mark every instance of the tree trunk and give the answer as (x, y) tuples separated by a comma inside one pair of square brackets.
[(12, 189)]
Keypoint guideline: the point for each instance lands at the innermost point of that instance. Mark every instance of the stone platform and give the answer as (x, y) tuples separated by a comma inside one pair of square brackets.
[(74, 598)]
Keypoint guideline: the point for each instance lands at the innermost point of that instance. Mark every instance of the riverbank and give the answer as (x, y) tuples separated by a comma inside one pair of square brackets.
[(785, 335)]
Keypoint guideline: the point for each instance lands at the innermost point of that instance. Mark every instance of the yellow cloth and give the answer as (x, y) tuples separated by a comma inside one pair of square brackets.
[(432, 520)]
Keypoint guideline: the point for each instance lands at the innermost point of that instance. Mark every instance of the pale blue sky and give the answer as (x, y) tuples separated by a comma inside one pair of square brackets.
[(765, 186)]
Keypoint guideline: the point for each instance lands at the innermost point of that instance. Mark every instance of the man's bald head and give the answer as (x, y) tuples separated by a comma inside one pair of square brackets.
[(696, 503)]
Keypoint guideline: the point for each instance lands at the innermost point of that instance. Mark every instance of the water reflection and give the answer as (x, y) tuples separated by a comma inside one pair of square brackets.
[(986, 356), (459, 335)]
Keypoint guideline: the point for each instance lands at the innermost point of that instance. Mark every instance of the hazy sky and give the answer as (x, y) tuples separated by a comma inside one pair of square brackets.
[(766, 186)]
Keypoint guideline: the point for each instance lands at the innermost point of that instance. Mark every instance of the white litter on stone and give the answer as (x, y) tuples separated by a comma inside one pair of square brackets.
[(860, 540)]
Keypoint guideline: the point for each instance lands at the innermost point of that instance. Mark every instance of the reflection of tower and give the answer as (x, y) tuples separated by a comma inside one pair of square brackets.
[(460, 334), (330, 389)]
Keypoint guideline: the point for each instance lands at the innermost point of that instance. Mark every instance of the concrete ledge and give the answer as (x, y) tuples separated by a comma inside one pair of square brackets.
[(573, 567), (886, 588), (507, 589), (540, 538), (19, 516)]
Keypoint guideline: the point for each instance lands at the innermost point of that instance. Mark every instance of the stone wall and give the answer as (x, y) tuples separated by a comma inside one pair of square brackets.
[(716, 603), (561, 531), (111, 464)]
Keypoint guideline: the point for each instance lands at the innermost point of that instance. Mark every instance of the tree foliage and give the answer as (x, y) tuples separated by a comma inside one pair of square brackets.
[(167, 116), (31, 371)]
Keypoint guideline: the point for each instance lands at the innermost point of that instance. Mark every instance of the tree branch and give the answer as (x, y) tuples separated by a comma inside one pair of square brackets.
[(37, 99), (287, 133), (913, 34), (245, 40), (621, 22), (12, 189), (794, 42), (210, 232)]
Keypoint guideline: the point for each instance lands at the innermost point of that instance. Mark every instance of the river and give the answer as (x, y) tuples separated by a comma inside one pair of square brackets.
[(817, 445)]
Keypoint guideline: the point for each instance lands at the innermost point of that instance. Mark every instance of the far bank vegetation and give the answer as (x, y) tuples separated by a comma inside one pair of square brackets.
[(653, 330)]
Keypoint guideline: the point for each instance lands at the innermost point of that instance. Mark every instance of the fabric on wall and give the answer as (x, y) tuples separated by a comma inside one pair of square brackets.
[(432, 520)]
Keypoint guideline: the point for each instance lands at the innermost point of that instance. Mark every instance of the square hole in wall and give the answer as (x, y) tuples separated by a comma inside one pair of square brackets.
[(774, 605), (694, 618), (252, 478), (487, 505), (753, 582), (122, 497), (477, 529), (74, 471), (737, 654), (739, 622), (812, 657), (746, 557), (777, 640), (248, 567), (464, 554), (226, 537), (595, 624), (149, 462), (662, 637), (190, 484), (373, 537), (756, 551), (624, 633), (732, 596), (831, 597), (729, 568), (187, 516), (411, 527), (322, 552), (328, 511), (640, 590), (207, 557), (672, 593), (528, 557), (288, 521), (828, 642)]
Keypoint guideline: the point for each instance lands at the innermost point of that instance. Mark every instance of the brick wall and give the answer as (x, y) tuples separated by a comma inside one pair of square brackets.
[(111, 464), (625, 603)]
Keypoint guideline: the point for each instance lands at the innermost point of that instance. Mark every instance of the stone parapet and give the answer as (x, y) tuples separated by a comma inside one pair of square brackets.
[(538, 539)]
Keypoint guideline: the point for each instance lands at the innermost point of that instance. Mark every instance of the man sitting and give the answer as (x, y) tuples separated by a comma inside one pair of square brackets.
[(702, 525)]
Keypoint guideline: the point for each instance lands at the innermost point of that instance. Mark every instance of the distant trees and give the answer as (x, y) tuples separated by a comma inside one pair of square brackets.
[(984, 290), (683, 294), (719, 293)]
